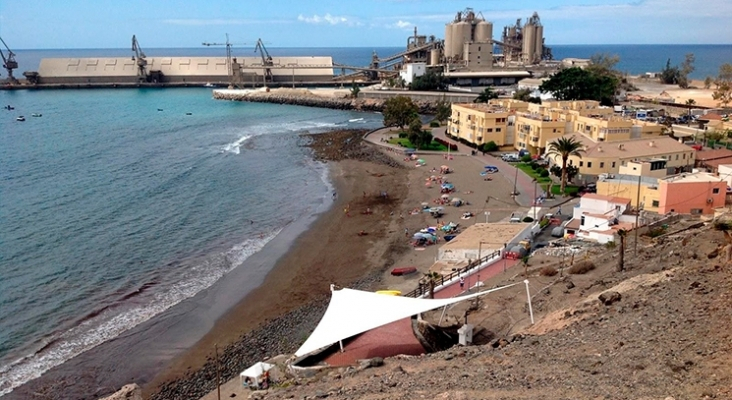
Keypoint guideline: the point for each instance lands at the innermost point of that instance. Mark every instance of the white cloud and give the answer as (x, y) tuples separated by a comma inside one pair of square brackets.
[(403, 24), (328, 19)]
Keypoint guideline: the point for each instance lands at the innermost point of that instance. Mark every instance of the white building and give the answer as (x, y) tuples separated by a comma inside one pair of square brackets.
[(411, 71), (601, 216)]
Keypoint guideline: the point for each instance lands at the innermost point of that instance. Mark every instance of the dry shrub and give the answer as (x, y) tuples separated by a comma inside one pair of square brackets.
[(582, 267), (548, 271)]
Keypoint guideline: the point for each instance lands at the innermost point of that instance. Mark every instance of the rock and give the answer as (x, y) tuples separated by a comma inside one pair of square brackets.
[(128, 392), (258, 394), (608, 298), (371, 363), (569, 284)]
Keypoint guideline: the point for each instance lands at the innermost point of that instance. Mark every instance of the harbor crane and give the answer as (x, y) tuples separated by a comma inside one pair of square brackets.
[(266, 60), (232, 66), (140, 57), (9, 62)]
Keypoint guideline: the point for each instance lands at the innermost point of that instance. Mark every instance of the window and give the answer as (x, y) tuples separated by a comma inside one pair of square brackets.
[(654, 203), (582, 220), (677, 157), (498, 129), (589, 164), (696, 211), (602, 165), (570, 162), (613, 164), (715, 191), (581, 163), (684, 156)]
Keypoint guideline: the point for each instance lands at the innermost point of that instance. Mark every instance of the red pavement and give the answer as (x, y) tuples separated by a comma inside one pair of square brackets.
[(397, 337)]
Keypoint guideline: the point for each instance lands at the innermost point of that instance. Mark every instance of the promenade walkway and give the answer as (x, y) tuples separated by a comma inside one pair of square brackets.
[(397, 337)]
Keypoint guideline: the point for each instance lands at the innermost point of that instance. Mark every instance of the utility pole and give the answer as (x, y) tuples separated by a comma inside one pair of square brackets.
[(637, 213)]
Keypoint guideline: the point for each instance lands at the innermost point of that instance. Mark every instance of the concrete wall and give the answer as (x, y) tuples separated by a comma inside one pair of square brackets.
[(683, 197), (180, 69), (419, 96)]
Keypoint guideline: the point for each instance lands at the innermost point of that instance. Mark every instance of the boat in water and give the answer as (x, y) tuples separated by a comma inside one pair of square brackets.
[(20, 119), (36, 115)]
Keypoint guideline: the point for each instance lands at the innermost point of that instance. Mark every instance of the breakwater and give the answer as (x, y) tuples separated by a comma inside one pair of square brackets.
[(304, 97)]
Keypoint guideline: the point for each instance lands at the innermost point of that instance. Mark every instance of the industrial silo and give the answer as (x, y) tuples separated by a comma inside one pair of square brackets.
[(483, 31), (529, 33), (448, 40), (435, 57), (460, 35), (539, 42)]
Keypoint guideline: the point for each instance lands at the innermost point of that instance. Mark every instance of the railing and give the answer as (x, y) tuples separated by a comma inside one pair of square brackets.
[(424, 288)]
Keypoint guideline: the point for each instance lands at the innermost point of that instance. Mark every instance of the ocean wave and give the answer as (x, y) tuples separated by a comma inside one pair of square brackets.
[(111, 321), (235, 147)]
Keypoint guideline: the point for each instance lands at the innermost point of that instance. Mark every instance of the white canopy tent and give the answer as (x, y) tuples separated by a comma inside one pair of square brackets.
[(351, 312), (254, 373)]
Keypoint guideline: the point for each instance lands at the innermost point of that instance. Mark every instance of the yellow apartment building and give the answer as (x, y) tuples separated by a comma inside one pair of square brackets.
[(479, 123), (533, 132), (511, 104), (628, 186), (607, 157), (609, 129), (651, 167)]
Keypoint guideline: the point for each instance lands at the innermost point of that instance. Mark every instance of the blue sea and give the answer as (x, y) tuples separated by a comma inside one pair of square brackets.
[(115, 205)]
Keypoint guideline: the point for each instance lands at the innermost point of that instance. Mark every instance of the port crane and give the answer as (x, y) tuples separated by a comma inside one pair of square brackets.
[(140, 57), (9, 62), (267, 62), (232, 66)]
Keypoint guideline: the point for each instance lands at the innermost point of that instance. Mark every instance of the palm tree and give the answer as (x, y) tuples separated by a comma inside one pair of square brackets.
[(690, 102), (621, 257), (486, 95), (565, 147)]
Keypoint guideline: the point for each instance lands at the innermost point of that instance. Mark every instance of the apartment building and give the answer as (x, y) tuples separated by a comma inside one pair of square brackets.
[(480, 123), (629, 186), (692, 193), (533, 132), (607, 157), (603, 129)]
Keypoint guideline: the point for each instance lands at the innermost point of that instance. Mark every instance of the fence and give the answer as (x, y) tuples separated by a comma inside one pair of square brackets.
[(424, 288)]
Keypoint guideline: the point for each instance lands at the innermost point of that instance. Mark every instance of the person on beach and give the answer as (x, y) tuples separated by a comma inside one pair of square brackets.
[(406, 232), (462, 283)]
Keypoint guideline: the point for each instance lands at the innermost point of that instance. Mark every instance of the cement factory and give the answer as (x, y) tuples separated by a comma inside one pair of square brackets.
[(468, 56)]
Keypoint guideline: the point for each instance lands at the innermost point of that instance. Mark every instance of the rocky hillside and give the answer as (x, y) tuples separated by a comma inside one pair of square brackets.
[(659, 330)]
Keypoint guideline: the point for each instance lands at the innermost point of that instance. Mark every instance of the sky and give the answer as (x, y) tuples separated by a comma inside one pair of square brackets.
[(61, 24)]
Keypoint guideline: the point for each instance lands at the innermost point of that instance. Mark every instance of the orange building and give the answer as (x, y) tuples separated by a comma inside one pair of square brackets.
[(691, 193)]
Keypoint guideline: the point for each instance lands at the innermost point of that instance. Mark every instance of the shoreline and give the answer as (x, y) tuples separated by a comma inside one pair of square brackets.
[(276, 316)]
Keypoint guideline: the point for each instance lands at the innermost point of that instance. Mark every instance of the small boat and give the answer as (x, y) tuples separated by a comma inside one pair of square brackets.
[(403, 271), (9, 107), (36, 115), (389, 292), (160, 109), (21, 118), (209, 84), (189, 113)]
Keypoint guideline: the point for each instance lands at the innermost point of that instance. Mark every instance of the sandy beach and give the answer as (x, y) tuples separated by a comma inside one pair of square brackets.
[(278, 316)]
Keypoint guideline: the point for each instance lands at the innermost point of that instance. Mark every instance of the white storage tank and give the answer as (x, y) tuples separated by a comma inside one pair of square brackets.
[(483, 31)]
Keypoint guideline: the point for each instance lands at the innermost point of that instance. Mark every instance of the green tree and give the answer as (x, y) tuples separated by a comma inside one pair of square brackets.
[(603, 63), (522, 94), (689, 102), (490, 146), (431, 80), (572, 171), (686, 68), (582, 84), (708, 82), (723, 93), (399, 111), (669, 74), (355, 90), (418, 136), (565, 147), (486, 95), (443, 109)]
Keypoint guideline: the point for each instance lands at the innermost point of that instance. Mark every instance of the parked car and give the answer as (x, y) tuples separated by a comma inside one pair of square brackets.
[(511, 157)]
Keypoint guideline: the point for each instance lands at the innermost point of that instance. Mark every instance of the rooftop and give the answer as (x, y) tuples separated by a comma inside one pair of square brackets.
[(493, 236), (611, 199), (706, 155), (630, 179), (693, 178), (630, 148), (484, 107)]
